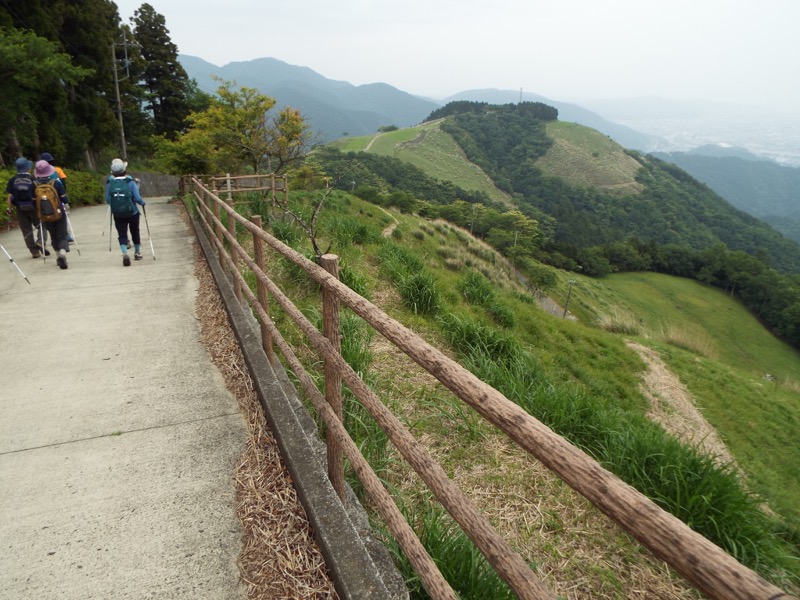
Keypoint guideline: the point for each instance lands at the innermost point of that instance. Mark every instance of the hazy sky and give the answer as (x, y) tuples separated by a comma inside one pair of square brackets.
[(744, 51)]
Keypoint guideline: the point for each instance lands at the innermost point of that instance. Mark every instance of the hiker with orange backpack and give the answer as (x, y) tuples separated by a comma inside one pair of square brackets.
[(63, 177), (52, 205)]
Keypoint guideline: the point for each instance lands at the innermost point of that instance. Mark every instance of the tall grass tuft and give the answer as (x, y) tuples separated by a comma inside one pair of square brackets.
[(348, 231), (420, 293), (354, 280), (460, 562), (619, 321), (285, 231), (682, 480), (397, 262), (468, 336), (695, 342), (476, 288)]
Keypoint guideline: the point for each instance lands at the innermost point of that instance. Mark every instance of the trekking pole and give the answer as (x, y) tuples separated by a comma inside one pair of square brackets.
[(148, 232), (15, 264), (72, 231), (42, 241)]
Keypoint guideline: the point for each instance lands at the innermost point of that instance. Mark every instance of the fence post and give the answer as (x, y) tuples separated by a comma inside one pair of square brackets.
[(263, 294), (237, 286), (228, 185), (333, 380)]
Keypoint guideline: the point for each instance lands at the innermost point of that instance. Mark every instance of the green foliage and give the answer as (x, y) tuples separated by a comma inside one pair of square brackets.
[(232, 135), (165, 80), (85, 188), (420, 292), (354, 280), (37, 75), (349, 231), (690, 485), (459, 561), (476, 288)]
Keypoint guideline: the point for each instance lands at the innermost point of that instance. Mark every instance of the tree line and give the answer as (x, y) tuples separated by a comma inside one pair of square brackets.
[(84, 86), (62, 64)]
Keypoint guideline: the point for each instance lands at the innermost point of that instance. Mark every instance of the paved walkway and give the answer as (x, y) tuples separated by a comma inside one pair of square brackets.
[(117, 436)]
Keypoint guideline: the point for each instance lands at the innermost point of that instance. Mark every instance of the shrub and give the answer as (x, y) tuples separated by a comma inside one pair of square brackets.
[(420, 293), (501, 314), (476, 288)]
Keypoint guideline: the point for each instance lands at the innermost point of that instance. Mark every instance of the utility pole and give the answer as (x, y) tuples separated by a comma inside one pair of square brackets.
[(119, 103), (571, 282)]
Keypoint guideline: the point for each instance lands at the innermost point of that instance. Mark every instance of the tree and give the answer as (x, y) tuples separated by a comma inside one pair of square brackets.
[(32, 69), (165, 80), (234, 134)]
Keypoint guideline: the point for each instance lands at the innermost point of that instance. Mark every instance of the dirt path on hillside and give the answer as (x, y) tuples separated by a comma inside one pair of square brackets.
[(672, 406)]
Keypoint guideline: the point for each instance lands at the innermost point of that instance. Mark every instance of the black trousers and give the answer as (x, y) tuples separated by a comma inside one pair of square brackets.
[(122, 224)]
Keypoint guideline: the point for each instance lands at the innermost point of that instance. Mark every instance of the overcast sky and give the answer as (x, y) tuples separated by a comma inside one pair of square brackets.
[(743, 51)]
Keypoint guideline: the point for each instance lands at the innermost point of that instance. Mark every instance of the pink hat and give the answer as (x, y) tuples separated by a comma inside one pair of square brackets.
[(44, 169)]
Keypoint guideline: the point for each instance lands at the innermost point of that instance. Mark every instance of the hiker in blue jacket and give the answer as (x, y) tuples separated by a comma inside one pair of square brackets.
[(122, 196)]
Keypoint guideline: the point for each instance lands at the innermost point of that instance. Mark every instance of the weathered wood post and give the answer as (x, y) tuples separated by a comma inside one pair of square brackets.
[(333, 380), (217, 214), (237, 286), (263, 293)]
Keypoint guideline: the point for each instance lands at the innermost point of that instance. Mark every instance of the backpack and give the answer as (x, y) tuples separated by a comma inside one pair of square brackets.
[(22, 192), (48, 202), (120, 198)]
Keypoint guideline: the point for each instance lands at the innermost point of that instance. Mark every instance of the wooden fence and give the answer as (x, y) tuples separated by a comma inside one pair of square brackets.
[(706, 566)]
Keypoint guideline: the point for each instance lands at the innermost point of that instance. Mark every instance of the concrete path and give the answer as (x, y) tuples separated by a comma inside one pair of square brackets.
[(118, 439)]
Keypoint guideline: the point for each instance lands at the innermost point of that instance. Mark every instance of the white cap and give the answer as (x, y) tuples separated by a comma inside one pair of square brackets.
[(118, 166)]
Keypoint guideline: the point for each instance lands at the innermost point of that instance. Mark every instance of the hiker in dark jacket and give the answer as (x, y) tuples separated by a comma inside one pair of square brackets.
[(122, 196), (58, 230), (20, 195)]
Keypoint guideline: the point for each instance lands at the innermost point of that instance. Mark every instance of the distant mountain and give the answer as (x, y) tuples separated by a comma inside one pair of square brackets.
[(761, 188), (337, 108), (333, 108)]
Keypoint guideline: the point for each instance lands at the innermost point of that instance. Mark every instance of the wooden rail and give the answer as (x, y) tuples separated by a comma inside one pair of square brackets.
[(709, 568)]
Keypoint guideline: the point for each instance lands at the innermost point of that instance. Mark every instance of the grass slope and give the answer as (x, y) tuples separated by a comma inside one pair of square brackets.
[(573, 546), (723, 356), (433, 151), (585, 157)]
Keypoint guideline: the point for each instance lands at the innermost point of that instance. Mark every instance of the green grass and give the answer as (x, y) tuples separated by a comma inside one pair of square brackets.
[(585, 157), (577, 374), (433, 151), (722, 355)]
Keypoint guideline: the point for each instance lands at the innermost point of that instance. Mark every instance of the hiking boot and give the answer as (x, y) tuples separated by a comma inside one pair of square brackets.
[(46, 251), (137, 256), (61, 261), (36, 254), (126, 260)]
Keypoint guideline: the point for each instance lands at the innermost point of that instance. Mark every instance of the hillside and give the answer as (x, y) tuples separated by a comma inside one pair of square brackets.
[(588, 189), (761, 188), (452, 288)]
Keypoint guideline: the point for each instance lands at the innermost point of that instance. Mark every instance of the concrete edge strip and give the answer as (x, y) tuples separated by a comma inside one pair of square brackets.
[(354, 574)]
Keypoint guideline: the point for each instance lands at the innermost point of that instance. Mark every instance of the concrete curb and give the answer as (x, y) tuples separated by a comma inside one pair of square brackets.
[(343, 545)]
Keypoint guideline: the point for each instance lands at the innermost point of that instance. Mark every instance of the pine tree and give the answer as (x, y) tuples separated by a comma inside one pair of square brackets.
[(166, 83)]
